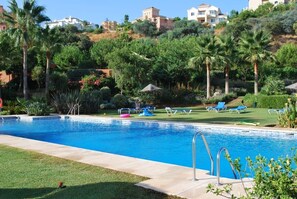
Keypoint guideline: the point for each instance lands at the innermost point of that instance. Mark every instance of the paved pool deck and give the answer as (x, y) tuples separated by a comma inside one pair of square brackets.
[(165, 178)]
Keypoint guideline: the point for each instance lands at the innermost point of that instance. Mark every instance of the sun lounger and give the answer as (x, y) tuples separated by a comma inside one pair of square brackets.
[(238, 109), (220, 106), (277, 111), (172, 111)]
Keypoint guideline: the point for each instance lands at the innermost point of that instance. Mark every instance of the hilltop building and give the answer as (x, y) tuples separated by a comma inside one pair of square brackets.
[(254, 4), (109, 26), (3, 26), (206, 13), (68, 21), (152, 14)]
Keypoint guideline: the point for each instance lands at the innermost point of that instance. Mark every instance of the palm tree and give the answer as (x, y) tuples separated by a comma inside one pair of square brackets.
[(254, 48), (50, 43), (22, 23), (208, 52), (228, 48)]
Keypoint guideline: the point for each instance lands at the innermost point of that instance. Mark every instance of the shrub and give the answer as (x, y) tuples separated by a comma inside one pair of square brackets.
[(273, 178), (58, 81), (273, 86), (220, 98), (105, 93), (63, 102), (90, 102), (89, 83), (13, 107), (38, 108), (119, 101), (271, 101), (249, 99), (289, 118), (107, 106)]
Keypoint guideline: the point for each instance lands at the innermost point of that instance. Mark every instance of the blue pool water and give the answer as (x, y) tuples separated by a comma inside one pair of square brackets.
[(163, 142)]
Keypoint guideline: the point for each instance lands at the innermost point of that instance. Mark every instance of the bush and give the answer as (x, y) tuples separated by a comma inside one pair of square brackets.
[(272, 101), (63, 102), (249, 99), (12, 107), (220, 98), (58, 81), (107, 106), (273, 86), (38, 109), (119, 101), (90, 102), (105, 93)]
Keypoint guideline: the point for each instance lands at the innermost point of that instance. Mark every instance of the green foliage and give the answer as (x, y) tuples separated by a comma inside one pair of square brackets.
[(100, 49), (90, 101), (120, 101), (89, 83), (37, 74), (249, 99), (35, 107), (271, 101), (183, 28), (105, 93), (107, 106), (221, 98), (286, 55), (289, 118), (295, 27), (273, 86), (58, 81), (63, 102), (145, 27), (272, 178), (12, 107), (70, 57)]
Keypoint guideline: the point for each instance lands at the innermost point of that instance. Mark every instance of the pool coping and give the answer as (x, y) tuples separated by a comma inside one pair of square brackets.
[(163, 177)]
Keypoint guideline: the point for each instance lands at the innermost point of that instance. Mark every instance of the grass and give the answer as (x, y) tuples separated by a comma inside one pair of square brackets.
[(26, 174), (200, 115)]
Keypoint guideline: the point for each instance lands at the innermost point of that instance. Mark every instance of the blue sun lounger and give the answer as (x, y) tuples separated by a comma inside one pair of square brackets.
[(238, 109), (220, 106)]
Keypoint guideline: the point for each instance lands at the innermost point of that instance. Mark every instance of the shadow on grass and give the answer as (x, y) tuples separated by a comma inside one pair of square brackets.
[(97, 190)]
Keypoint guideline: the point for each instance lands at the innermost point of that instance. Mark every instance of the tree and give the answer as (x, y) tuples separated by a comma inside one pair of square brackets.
[(145, 27), (254, 48), (208, 52), (22, 24), (50, 44), (228, 47)]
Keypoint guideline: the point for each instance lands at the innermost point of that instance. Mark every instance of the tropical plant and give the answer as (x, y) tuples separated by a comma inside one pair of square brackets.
[(273, 86), (119, 101), (289, 118), (89, 83), (22, 24), (37, 74), (208, 52), (254, 48), (50, 44), (272, 178), (228, 48)]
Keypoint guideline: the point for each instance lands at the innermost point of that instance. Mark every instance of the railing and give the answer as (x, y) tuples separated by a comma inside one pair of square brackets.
[(219, 164), (194, 154), (74, 109)]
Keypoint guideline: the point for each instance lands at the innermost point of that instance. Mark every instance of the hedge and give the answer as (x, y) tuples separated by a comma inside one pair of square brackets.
[(266, 101)]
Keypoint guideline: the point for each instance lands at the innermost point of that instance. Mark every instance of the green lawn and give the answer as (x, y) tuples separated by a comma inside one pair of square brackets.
[(26, 174), (200, 115)]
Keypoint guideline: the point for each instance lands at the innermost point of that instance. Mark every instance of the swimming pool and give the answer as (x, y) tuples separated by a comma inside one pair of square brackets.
[(158, 141)]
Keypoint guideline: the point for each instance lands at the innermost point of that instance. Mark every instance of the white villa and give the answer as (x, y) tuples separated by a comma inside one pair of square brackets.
[(206, 13), (254, 4), (68, 21)]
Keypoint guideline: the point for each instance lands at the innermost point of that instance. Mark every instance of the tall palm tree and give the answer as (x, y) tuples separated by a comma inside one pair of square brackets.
[(228, 48), (22, 23), (50, 42), (254, 48), (208, 52)]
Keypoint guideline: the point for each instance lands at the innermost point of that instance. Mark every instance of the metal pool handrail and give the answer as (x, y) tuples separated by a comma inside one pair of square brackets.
[(194, 154), (219, 164)]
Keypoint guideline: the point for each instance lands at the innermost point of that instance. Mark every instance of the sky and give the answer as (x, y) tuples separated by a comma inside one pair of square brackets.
[(97, 11)]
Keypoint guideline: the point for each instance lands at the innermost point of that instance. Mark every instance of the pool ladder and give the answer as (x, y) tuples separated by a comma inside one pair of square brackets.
[(210, 157)]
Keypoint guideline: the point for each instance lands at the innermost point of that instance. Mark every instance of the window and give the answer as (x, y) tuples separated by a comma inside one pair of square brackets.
[(192, 14), (221, 19), (201, 12), (212, 20), (212, 12)]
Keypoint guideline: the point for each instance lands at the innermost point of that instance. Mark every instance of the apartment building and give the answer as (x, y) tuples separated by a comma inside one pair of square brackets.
[(109, 26), (254, 4), (206, 13), (3, 26), (68, 21), (153, 14)]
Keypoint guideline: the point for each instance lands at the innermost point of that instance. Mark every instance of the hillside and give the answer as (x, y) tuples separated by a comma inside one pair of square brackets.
[(110, 35)]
